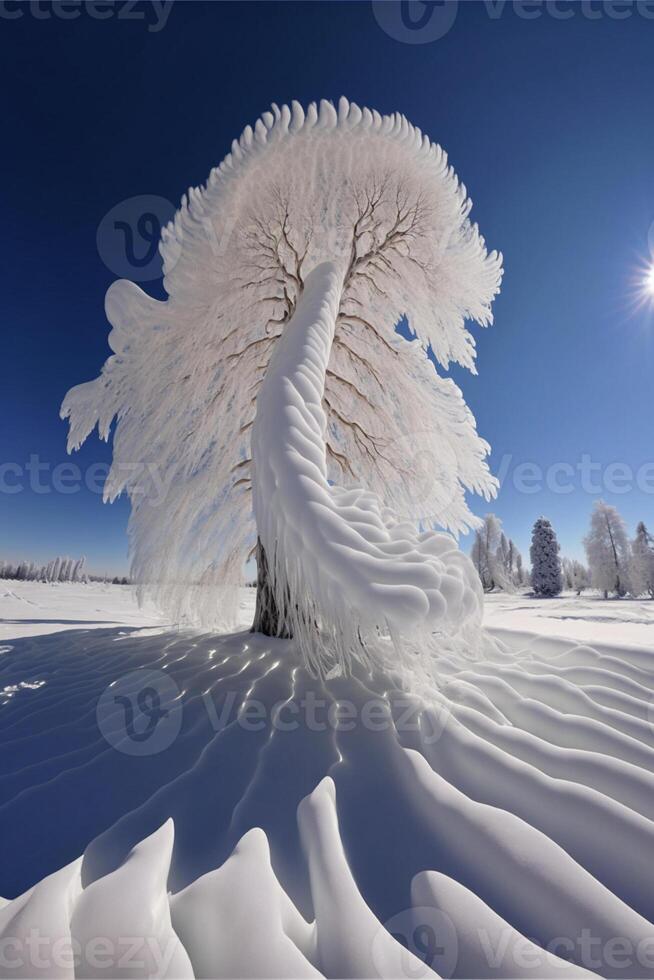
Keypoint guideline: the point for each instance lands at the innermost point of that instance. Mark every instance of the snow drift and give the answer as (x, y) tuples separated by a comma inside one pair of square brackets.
[(502, 827)]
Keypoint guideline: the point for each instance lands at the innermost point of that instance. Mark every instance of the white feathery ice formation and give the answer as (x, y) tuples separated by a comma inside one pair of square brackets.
[(185, 377)]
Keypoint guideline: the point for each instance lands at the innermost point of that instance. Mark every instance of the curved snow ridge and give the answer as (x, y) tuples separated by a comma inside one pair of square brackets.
[(499, 807), (238, 921), (350, 563)]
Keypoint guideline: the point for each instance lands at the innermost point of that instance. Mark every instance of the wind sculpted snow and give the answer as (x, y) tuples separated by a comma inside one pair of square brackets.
[(350, 563), (324, 824)]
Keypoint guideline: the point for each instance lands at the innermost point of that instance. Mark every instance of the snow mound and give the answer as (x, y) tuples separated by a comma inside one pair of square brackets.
[(502, 826), (237, 921)]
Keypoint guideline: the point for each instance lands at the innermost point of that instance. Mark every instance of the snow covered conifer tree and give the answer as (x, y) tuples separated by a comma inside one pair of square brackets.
[(545, 563), (641, 568), (608, 550), (273, 373)]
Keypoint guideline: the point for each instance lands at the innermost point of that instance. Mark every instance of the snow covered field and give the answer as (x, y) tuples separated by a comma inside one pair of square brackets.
[(36, 608), (40, 608), (500, 828), (587, 618)]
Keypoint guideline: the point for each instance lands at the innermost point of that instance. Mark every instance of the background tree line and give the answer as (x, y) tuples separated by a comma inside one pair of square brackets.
[(60, 569), (615, 565)]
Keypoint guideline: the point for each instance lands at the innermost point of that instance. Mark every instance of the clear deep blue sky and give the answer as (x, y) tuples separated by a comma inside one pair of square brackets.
[(547, 121)]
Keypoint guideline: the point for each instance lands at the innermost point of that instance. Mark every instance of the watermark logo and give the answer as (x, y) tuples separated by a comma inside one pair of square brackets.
[(427, 941), (141, 713), (145, 480), (426, 21), (129, 234), (426, 474), (415, 21), (154, 13)]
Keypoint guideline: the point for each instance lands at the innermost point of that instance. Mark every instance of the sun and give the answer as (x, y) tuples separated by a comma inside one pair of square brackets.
[(641, 289)]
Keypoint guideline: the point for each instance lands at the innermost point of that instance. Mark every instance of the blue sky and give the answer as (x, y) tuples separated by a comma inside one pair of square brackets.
[(548, 121)]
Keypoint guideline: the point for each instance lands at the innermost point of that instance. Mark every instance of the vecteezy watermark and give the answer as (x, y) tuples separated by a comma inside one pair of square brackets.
[(154, 13), (35, 953), (426, 941), (425, 483), (415, 21), (38, 476), (319, 714), (141, 713), (585, 475), (593, 952), (427, 478), (129, 234), (426, 21), (429, 936)]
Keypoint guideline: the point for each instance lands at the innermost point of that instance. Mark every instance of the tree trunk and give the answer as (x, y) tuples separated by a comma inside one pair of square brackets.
[(268, 618)]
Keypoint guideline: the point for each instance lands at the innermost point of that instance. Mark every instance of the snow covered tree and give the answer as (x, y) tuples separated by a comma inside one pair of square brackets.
[(503, 564), (274, 372), (566, 573), (545, 563), (579, 576), (512, 564), (487, 553), (607, 549), (641, 566), (521, 575), (503, 555), (575, 575)]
